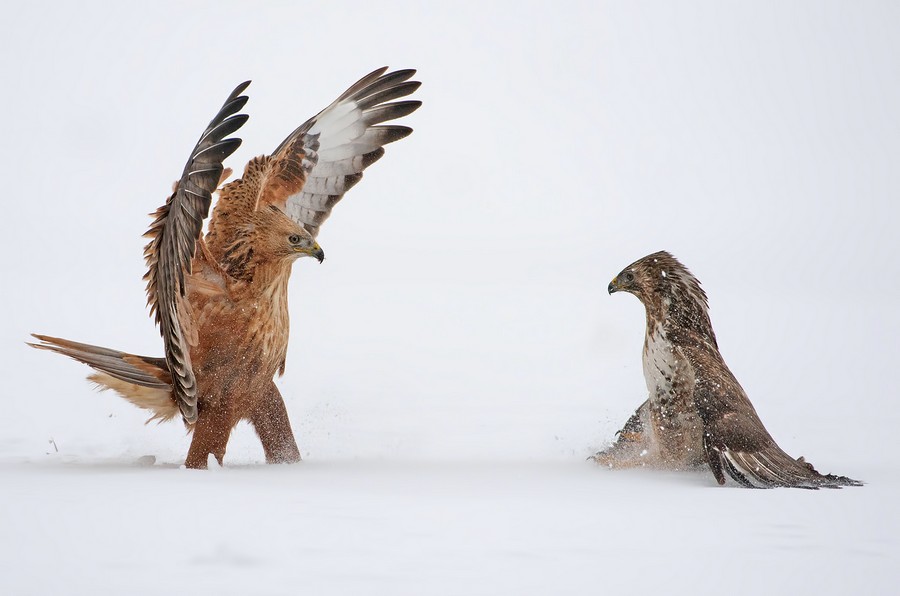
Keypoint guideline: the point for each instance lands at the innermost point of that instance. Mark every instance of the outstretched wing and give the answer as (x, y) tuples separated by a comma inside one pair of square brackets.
[(173, 242), (734, 438), (316, 164)]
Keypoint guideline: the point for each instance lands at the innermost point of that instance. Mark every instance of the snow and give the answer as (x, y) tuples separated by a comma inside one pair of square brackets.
[(457, 357), (411, 528)]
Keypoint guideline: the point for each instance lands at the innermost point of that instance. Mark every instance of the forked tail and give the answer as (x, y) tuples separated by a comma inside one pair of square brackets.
[(142, 380)]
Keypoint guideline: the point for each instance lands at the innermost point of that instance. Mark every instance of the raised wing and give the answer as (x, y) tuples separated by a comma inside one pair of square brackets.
[(735, 440), (316, 164), (173, 242)]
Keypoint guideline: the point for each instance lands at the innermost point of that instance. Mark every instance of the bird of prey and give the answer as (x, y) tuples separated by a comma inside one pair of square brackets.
[(220, 300), (697, 413)]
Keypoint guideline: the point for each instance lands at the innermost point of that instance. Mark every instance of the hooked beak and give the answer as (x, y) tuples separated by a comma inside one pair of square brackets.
[(613, 286), (314, 251), (318, 253)]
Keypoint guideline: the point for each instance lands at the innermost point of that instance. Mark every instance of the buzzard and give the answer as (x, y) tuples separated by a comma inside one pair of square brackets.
[(220, 300), (697, 413)]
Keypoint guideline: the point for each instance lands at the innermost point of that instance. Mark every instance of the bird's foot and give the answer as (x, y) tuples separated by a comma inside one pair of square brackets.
[(603, 458)]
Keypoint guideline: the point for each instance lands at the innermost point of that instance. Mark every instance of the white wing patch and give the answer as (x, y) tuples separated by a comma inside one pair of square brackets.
[(345, 139)]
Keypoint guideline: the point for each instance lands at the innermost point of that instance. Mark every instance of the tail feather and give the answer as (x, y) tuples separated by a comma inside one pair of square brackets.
[(771, 467), (159, 401), (142, 380)]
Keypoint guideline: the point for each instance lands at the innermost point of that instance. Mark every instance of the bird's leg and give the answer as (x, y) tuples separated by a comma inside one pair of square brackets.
[(211, 432), (270, 418), (633, 446)]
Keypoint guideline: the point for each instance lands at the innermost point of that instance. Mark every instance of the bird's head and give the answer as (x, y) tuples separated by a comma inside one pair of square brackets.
[(667, 289), (654, 275), (302, 244), (639, 277), (283, 238), (625, 281)]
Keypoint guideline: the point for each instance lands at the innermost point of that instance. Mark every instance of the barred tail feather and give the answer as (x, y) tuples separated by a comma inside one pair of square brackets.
[(770, 467), (142, 380)]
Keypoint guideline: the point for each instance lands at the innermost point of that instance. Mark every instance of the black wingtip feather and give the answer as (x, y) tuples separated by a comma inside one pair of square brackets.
[(389, 94), (239, 89), (372, 156), (217, 152), (390, 111), (350, 180), (228, 126), (392, 133), (233, 106), (384, 82)]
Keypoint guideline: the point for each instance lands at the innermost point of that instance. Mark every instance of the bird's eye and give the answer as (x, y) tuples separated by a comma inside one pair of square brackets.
[(294, 239), (629, 276)]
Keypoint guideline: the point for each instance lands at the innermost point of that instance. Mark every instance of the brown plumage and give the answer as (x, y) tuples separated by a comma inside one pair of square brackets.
[(221, 300), (697, 412)]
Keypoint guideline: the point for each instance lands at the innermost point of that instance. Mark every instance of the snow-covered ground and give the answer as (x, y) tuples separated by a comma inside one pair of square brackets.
[(456, 357), (365, 527)]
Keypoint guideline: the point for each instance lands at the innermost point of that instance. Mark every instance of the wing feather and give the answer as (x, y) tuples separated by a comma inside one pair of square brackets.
[(332, 148), (734, 438), (173, 243)]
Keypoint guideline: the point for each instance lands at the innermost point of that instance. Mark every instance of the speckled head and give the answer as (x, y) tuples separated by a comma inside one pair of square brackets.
[(667, 289)]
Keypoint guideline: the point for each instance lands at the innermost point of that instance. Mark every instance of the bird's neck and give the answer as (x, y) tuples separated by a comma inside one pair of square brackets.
[(272, 276), (673, 312), (264, 308), (657, 313)]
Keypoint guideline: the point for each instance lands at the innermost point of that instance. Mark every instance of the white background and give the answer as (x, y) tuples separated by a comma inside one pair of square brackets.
[(456, 357)]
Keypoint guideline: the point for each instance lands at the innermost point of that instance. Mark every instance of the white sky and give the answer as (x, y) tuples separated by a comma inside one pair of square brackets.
[(757, 143)]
